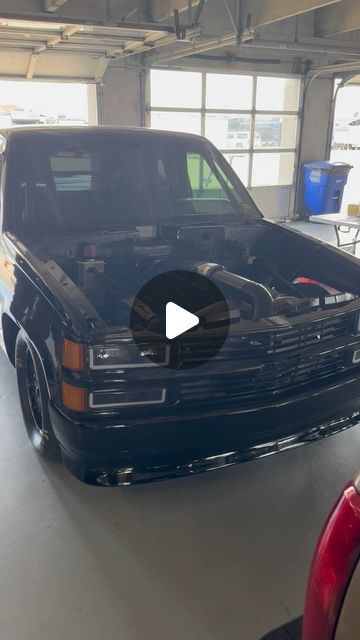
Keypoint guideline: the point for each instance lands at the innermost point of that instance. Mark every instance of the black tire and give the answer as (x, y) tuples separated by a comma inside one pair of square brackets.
[(34, 397)]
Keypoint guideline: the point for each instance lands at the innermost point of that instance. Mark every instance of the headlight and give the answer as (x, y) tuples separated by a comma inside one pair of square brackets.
[(127, 355)]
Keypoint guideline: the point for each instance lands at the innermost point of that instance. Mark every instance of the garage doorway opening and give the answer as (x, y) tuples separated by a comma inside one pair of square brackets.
[(47, 103), (345, 145)]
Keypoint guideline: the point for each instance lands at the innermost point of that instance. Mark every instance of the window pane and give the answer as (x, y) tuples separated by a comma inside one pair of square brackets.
[(277, 94), (228, 131), (210, 189), (75, 172), (276, 131), (273, 169), (240, 164), (142, 179), (228, 91), (202, 178), (176, 121), (179, 89)]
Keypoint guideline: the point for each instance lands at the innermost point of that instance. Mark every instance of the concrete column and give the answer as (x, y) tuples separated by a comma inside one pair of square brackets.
[(316, 119), (120, 97)]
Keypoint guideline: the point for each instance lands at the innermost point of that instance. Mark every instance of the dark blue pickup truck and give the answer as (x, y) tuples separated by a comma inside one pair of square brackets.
[(93, 217)]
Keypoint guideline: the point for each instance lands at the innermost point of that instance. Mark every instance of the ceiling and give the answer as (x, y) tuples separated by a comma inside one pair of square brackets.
[(79, 39)]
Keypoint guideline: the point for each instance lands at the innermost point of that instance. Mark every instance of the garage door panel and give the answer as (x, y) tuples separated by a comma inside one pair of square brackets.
[(14, 63), (48, 65), (58, 65)]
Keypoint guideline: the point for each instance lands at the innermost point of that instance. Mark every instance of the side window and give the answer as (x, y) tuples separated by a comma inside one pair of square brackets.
[(203, 181)]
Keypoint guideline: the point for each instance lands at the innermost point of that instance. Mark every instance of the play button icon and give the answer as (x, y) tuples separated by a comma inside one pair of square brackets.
[(178, 321)]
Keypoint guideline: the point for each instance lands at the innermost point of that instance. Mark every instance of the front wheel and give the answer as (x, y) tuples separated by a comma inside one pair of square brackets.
[(34, 398)]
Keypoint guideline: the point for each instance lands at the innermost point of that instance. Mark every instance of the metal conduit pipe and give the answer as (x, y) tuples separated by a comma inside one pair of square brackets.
[(253, 292), (230, 40)]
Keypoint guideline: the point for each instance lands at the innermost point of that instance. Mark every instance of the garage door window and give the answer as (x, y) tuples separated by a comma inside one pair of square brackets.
[(277, 94), (176, 121), (252, 119), (176, 89), (229, 92), (228, 130), (272, 168)]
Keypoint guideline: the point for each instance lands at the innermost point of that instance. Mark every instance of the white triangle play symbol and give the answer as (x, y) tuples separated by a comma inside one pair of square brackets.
[(178, 321)]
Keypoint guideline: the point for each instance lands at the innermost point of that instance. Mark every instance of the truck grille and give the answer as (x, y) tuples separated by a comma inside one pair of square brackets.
[(195, 351), (267, 379)]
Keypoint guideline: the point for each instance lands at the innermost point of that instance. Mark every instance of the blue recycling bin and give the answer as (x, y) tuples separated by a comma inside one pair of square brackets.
[(324, 186)]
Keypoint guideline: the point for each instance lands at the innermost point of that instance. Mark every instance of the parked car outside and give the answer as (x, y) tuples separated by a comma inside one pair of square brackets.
[(5, 120), (242, 140), (90, 216), (347, 136), (342, 137)]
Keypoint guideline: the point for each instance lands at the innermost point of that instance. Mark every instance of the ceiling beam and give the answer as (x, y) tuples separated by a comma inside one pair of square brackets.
[(6, 15), (163, 9), (340, 18), (53, 5), (257, 13)]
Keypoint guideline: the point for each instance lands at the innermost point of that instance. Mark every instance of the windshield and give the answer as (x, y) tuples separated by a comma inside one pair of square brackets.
[(107, 181)]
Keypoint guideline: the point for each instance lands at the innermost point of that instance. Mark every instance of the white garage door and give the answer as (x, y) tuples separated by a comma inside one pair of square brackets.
[(252, 119)]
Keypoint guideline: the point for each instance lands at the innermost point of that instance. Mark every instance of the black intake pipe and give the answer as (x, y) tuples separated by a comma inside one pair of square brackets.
[(256, 294)]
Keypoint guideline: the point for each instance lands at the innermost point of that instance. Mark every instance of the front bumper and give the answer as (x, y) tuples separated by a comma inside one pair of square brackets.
[(111, 452)]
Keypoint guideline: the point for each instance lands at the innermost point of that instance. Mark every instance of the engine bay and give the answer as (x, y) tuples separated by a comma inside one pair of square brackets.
[(258, 270)]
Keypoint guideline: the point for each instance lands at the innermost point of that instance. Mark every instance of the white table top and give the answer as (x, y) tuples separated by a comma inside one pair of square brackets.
[(337, 219)]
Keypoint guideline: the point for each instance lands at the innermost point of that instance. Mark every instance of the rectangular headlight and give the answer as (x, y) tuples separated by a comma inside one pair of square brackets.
[(127, 355)]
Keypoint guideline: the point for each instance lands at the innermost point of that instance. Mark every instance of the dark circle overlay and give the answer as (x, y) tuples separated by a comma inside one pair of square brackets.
[(198, 295)]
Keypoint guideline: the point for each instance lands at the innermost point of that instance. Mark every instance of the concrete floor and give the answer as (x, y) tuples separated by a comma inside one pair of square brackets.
[(222, 556)]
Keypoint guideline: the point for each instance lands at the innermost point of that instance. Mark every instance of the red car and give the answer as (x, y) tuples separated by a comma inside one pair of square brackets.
[(332, 607)]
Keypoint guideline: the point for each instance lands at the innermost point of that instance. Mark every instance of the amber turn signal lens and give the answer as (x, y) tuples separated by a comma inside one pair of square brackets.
[(73, 356), (74, 398)]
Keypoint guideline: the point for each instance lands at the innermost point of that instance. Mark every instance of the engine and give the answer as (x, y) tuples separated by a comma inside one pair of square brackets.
[(112, 268)]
